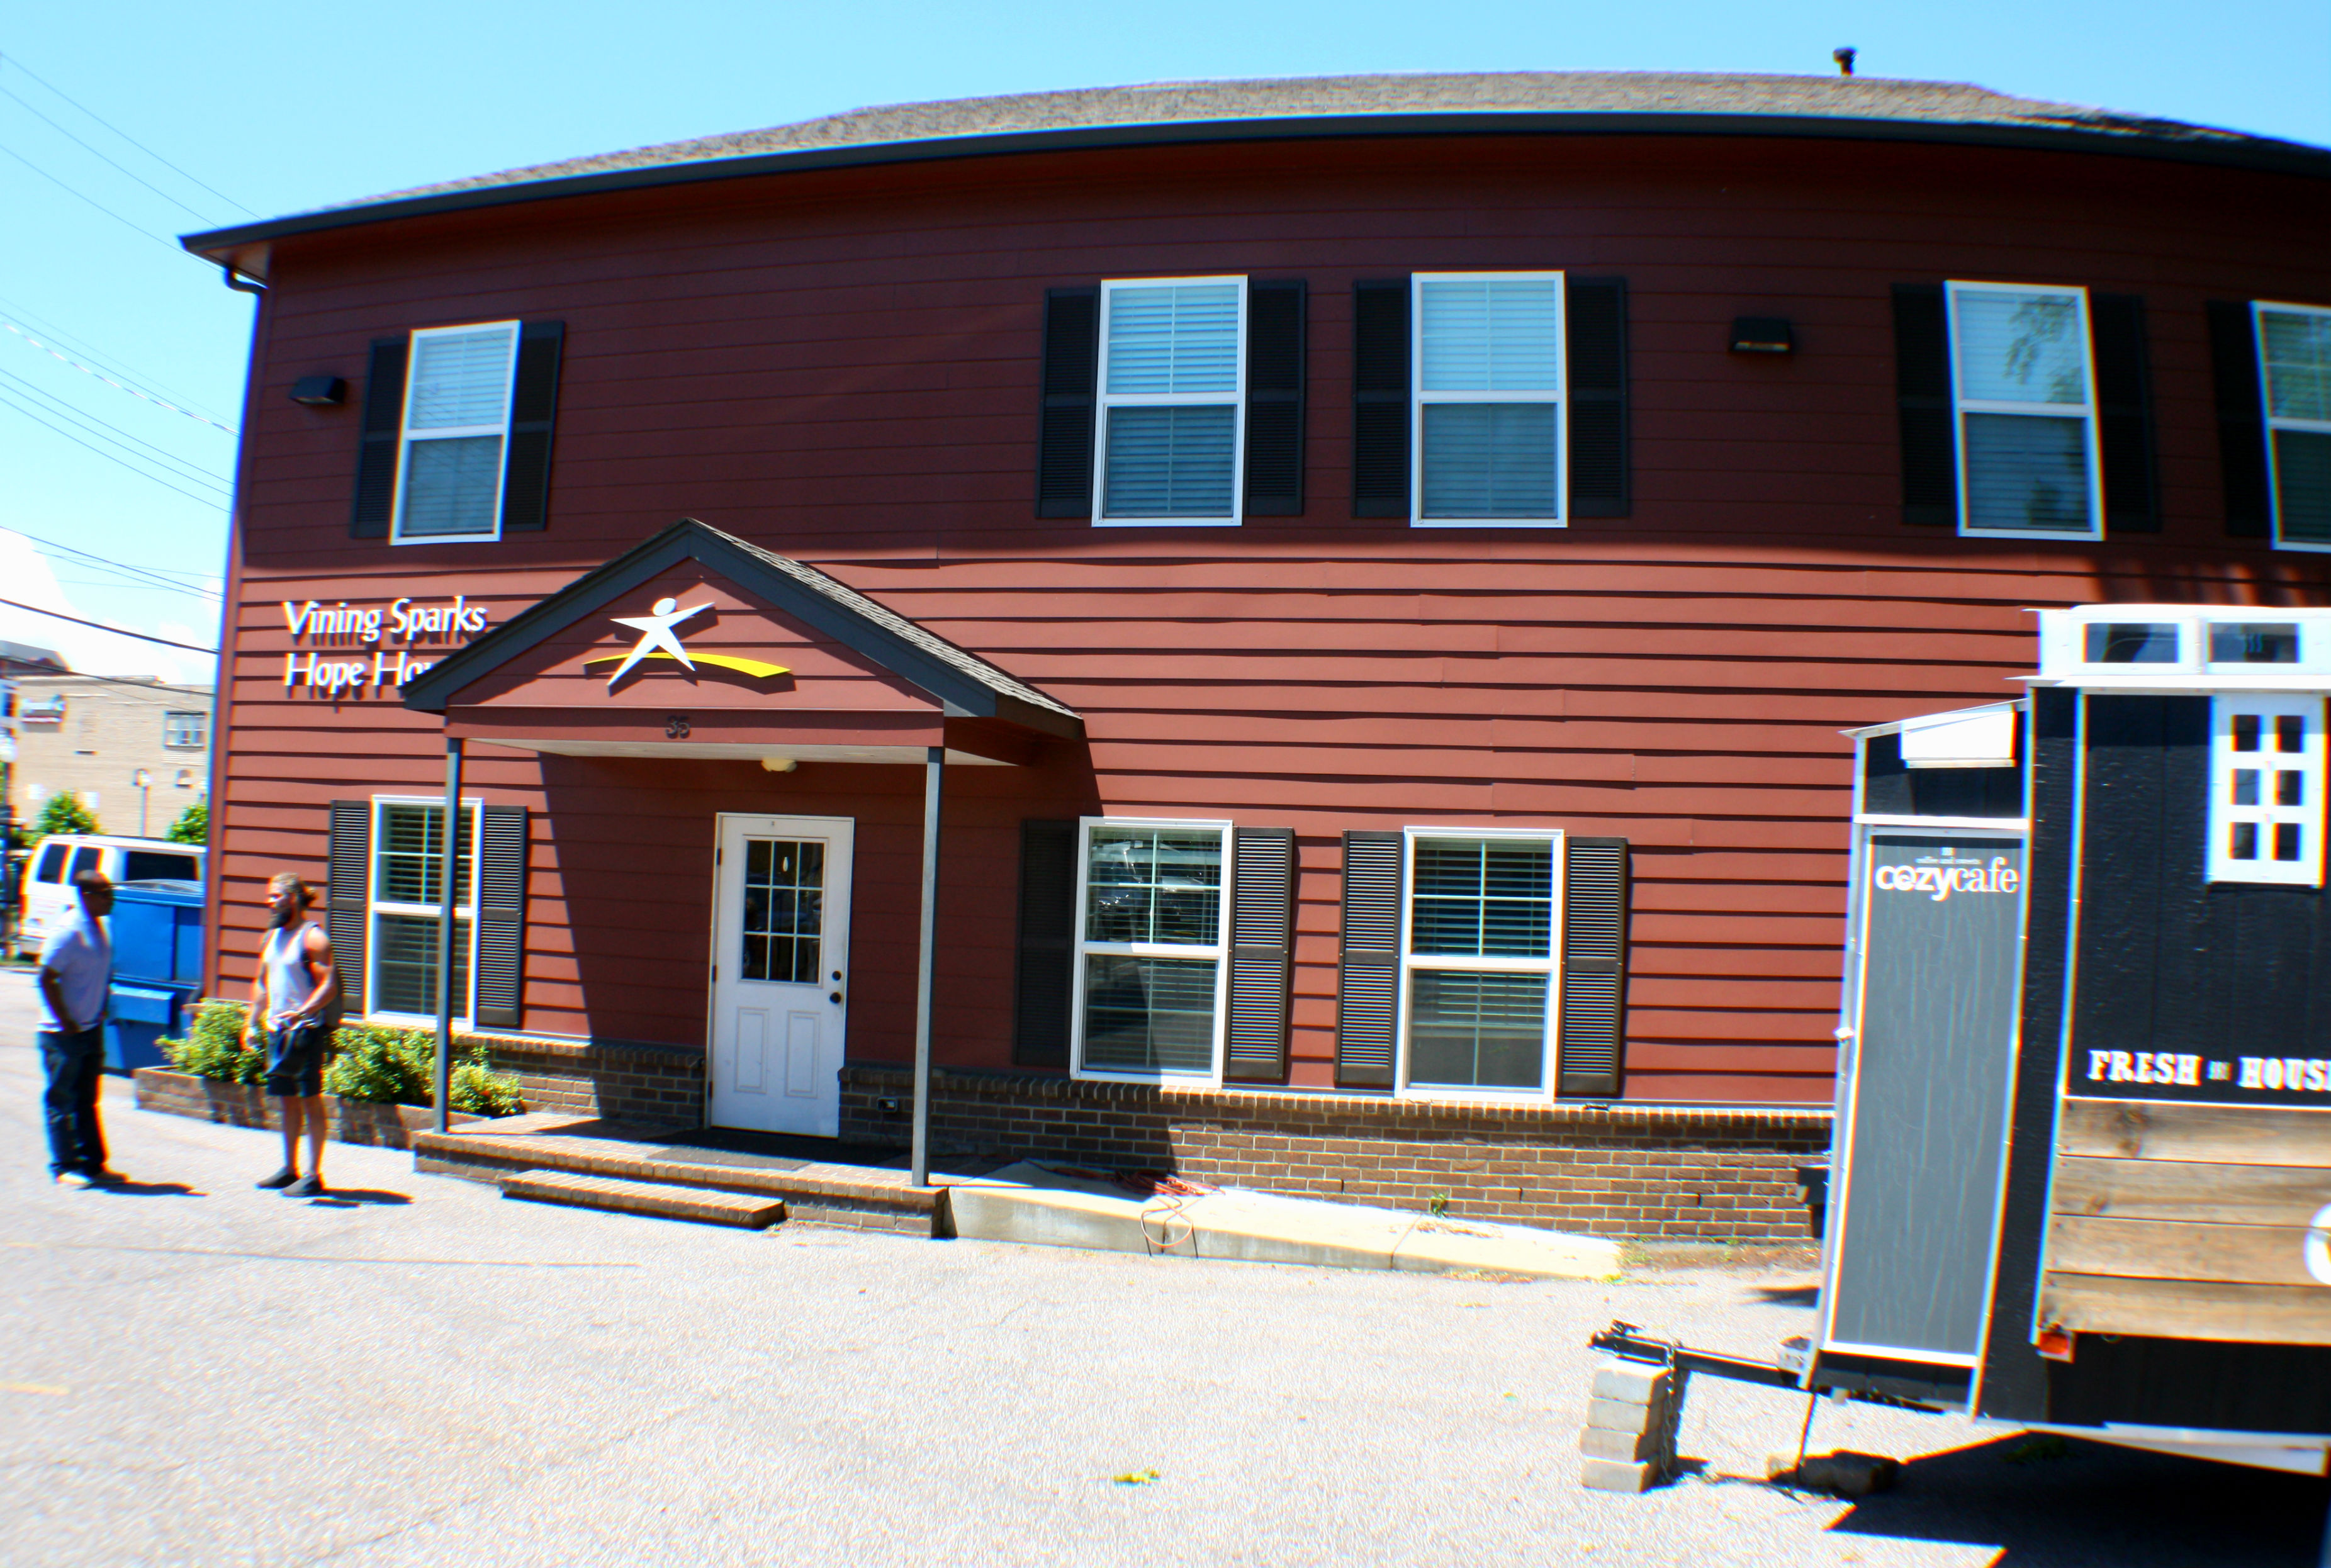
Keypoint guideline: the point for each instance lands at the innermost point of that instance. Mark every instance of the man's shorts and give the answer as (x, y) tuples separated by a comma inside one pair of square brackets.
[(295, 1057)]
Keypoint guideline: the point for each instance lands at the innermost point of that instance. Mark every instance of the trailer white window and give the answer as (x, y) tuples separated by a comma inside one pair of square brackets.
[(457, 407), (1152, 910), (2295, 365), (2025, 407), (2266, 790), (408, 859), (1489, 404), (1172, 383), (1479, 958)]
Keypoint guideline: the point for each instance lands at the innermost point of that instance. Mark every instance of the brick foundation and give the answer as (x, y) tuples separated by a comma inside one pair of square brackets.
[(655, 1084), (1715, 1173), (248, 1105)]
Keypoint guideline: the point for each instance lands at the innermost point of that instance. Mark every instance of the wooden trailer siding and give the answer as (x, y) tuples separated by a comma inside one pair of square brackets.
[(842, 365)]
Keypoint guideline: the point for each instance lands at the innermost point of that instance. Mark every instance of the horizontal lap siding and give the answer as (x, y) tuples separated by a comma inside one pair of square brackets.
[(842, 366)]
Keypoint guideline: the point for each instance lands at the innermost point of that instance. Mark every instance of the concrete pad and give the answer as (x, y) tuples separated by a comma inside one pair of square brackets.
[(1032, 1202)]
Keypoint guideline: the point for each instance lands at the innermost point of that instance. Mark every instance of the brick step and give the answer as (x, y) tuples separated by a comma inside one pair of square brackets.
[(854, 1196), (658, 1199)]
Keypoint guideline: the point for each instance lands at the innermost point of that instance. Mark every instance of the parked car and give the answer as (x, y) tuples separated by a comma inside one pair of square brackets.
[(47, 891)]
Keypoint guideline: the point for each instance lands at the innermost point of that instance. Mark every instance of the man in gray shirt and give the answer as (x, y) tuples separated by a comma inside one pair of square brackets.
[(76, 973)]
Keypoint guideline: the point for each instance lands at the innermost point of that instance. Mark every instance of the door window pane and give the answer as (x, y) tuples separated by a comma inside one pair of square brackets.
[(783, 923), (1149, 1014), (2262, 642), (1477, 1030), (2132, 643)]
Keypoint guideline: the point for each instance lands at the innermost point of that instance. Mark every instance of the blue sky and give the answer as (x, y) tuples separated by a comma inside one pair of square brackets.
[(270, 108)]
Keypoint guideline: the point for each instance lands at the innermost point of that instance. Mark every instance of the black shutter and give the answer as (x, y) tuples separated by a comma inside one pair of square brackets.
[(1593, 1027), (501, 914), (1262, 925), (1595, 317), (2241, 419), (347, 877), (1048, 943), (1274, 398), (1380, 399), (533, 407), (1922, 396), (1064, 439), (1367, 985), (384, 424), (2124, 412)]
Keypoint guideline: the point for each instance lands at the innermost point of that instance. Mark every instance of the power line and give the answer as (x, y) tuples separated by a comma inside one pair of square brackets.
[(100, 626), (103, 359), (125, 136), (92, 201), (118, 386), (34, 416), (154, 573), (133, 173), (196, 470)]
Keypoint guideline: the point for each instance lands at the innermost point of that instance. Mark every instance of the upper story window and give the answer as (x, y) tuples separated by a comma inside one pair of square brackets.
[(1173, 389), (1490, 430), (2024, 410), (2266, 789), (190, 728), (2294, 373), (457, 407)]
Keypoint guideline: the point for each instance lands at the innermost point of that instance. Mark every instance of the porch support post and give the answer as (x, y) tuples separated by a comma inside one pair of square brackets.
[(452, 848), (934, 781)]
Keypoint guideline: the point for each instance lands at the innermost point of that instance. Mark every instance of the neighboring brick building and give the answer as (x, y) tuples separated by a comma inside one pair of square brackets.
[(98, 736)]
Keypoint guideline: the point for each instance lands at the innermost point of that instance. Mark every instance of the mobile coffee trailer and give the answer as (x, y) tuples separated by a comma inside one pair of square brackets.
[(2083, 1153)]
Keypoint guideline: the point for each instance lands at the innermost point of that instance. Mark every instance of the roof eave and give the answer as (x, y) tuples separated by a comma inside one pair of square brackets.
[(247, 246)]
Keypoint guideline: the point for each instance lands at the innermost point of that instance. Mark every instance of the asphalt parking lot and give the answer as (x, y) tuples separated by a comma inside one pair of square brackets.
[(414, 1371)]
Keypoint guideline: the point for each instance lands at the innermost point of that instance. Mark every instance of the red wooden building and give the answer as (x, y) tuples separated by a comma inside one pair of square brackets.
[(1386, 562)]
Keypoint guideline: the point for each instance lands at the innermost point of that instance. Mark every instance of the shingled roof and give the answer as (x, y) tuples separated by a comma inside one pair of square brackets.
[(1604, 101)]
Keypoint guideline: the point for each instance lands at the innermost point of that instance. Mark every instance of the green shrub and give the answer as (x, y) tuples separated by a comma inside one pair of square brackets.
[(192, 826), (379, 1064), (63, 813), (213, 1046)]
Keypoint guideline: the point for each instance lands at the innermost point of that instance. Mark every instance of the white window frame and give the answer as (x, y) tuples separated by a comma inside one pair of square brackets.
[(1103, 401), (1219, 952), (1549, 1058), (406, 435), (2307, 871), (1962, 405), (2259, 309), (1419, 397), (174, 736), (465, 1006)]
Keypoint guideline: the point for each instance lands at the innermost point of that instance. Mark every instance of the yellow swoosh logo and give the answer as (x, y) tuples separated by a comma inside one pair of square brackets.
[(752, 667)]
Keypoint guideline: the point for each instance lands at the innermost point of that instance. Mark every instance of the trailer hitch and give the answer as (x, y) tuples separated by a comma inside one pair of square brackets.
[(1628, 1342)]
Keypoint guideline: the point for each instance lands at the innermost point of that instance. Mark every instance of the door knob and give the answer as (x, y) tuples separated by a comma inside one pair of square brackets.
[(834, 996)]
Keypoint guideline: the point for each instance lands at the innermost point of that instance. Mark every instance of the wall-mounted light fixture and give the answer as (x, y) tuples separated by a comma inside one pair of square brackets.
[(1762, 335), (319, 391), (779, 764)]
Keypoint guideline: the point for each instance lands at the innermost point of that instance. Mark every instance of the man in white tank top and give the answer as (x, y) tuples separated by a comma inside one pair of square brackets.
[(292, 997)]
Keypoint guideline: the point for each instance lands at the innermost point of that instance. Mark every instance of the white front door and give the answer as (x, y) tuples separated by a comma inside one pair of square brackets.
[(780, 965)]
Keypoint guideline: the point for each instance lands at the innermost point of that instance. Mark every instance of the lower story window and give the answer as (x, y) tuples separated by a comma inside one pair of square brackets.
[(1151, 917), (1480, 957), (408, 860)]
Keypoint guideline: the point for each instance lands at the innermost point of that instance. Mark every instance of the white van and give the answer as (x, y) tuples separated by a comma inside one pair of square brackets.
[(47, 890)]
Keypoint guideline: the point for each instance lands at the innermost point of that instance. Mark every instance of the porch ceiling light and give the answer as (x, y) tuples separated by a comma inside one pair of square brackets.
[(779, 764)]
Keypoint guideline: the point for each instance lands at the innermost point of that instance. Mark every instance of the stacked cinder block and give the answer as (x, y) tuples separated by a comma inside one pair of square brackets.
[(1630, 1440)]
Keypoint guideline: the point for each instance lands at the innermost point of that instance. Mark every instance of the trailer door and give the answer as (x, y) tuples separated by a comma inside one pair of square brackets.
[(1930, 1050)]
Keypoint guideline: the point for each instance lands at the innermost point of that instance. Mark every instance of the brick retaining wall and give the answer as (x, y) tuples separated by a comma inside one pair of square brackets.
[(248, 1105), (657, 1083), (1715, 1173)]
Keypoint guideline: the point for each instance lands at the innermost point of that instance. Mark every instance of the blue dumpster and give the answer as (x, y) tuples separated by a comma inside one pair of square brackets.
[(158, 968)]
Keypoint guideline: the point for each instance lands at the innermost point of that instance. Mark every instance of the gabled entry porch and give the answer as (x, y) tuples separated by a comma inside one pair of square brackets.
[(697, 648)]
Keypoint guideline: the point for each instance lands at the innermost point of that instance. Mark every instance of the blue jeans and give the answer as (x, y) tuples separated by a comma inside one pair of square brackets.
[(76, 1066)]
